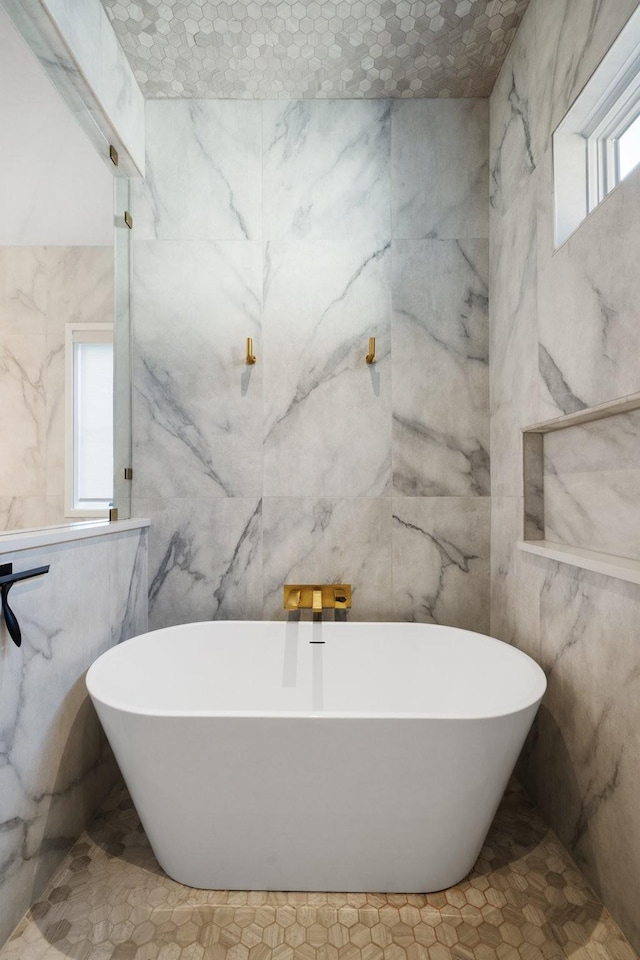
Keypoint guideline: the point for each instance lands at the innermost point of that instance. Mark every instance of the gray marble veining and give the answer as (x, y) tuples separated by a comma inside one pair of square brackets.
[(585, 756), (441, 561), (42, 289), (591, 484), (197, 410), (440, 169), (326, 164), (329, 540), (203, 179), (564, 335), (282, 472), (440, 365), (55, 766), (205, 559), (327, 413)]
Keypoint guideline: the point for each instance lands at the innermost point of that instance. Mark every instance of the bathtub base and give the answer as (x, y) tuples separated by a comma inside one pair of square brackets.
[(316, 804)]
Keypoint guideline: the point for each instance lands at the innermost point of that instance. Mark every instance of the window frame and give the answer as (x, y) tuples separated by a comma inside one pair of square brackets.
[(585, 143), (99, 332)]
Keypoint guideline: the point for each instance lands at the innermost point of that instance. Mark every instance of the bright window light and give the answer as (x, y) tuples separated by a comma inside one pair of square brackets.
[(89, 385), (629, 149)]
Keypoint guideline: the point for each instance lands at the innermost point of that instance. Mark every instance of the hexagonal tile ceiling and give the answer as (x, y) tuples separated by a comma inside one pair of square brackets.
[(286, 49)]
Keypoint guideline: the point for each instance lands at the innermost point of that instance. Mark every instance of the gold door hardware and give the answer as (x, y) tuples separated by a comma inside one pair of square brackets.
[(113, 155), (316, 597), (128, 219), (113, 514), (128, 473), (371, 356), (250, 358)]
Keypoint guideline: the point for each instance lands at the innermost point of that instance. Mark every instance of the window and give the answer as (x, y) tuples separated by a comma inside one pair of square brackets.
[(89, 419), (597, 144)]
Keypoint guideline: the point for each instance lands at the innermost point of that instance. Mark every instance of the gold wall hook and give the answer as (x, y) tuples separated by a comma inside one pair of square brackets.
[(250, 358), (371, 356)]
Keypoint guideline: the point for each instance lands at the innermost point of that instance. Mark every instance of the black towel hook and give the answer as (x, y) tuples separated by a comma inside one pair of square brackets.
[(7, 580)]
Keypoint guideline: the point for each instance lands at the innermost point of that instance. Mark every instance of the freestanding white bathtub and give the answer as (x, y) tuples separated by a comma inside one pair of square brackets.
[(316, 756)]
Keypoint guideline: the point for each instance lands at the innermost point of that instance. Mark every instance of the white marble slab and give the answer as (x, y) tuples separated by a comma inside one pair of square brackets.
[(327, 163), (329, 540), (440, 364), (56, 766), (440, 172), (592, 485), (204, 174), (514, 346), (515, 119), (516, 580), (585, 756), (205, 559), (587, 295), (327, 412), (441, 568), (197, 405)]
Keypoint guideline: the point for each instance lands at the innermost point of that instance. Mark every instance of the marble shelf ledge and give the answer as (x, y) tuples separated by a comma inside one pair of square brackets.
[(622, 568), (600, 412), (14, 540)]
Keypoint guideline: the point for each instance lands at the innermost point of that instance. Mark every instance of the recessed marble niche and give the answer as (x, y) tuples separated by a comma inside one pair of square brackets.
[(582, 488)]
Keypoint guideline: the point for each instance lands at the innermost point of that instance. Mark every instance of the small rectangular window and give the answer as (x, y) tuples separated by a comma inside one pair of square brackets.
[(89, 426), (597, 144)]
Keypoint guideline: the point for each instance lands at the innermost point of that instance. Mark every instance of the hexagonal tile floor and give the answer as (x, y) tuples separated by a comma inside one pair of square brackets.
[(524, 900)]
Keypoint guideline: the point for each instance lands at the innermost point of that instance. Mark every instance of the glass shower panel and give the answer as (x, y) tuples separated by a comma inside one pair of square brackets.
[(122, 353)]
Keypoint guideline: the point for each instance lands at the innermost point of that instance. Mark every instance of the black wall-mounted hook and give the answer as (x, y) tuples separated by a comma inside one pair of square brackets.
[(7, 580)]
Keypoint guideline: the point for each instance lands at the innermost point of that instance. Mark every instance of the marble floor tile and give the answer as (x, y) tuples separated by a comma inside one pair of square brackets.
[(443, 142), (440, 337), (441, 561), (524, 900), (205, 559), (329, 541)]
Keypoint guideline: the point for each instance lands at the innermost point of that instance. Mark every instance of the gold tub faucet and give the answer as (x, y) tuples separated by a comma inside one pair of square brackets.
[(316, 597)]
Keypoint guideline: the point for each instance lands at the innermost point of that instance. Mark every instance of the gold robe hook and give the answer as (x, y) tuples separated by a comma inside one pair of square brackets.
[(371, 356), (250, 358)]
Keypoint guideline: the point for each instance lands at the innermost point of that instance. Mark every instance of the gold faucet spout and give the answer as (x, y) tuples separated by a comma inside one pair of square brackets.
[(293, 600), (316, 605)]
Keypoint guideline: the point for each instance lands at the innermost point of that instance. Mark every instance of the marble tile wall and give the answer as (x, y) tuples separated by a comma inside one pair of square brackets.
[(564, 335), (55, 765), (41, 289), (311, 226)]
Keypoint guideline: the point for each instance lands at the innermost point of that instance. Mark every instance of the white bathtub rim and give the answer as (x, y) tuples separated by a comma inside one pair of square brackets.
[(532, 701)]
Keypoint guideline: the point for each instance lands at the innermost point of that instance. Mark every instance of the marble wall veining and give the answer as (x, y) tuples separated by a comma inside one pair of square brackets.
[(41, 289), (564, 335), (311, 226), (55, 765)]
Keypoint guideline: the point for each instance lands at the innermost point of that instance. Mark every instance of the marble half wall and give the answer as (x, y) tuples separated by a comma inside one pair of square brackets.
[(311, 226), (55, 765), (564, 336)]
